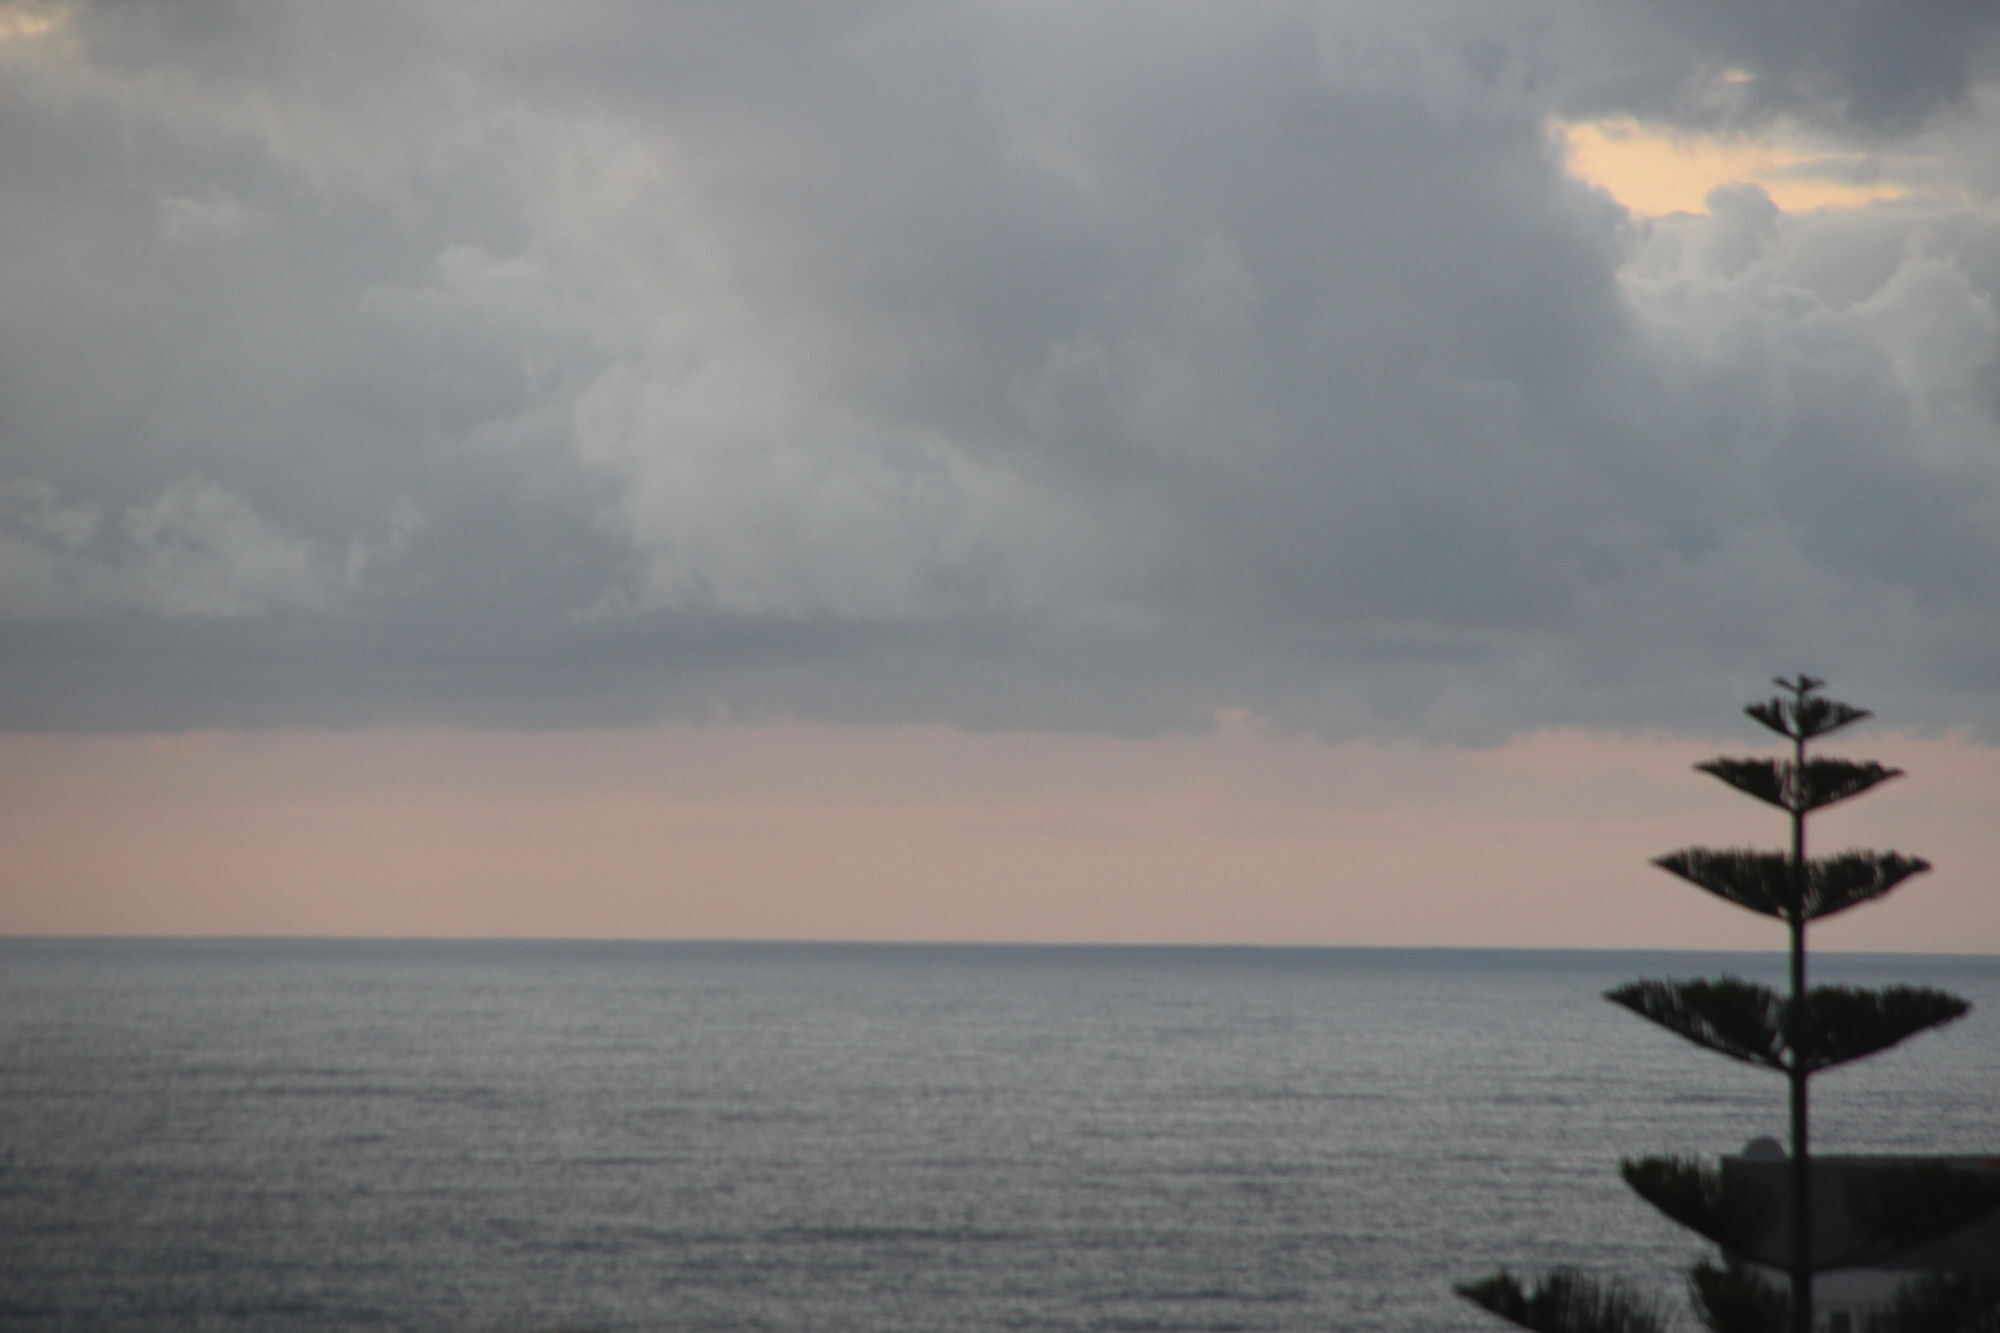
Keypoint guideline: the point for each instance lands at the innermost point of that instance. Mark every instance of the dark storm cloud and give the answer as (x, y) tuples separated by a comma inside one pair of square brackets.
[(1077, 366)]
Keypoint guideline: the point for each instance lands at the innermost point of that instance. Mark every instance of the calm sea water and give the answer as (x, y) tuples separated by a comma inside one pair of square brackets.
[(511, 1135)]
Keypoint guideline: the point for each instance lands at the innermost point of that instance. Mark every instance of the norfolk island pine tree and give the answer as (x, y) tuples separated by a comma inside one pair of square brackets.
[(1797, 1035)]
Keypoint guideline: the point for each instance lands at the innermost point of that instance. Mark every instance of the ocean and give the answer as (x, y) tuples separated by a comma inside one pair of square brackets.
[(489, 1135)]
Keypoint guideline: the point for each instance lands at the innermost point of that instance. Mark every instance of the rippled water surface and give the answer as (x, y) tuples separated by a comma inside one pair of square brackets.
[(540, 1135)]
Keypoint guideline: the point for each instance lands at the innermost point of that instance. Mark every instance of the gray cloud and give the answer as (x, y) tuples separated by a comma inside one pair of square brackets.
[(1876, 68), (1083, 367)]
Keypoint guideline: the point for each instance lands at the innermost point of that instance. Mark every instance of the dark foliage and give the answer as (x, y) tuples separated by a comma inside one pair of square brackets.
[(1804, 715), (1798, 1034), (1752, 1023), (1947, 1303), (1704, 1199), (1566, 1301), (1730, 1298), (1842, 1023), (1798, 788), (1763, 881), (1903, 1206)]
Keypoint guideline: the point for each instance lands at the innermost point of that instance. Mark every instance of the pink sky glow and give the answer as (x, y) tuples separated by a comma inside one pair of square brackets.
[(807, 831)]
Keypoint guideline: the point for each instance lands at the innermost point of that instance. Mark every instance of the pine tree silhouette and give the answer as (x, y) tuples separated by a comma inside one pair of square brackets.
[(1798, 1034)]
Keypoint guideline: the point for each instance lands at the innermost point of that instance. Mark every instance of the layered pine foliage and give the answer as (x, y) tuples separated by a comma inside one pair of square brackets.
[(1797, 1033)]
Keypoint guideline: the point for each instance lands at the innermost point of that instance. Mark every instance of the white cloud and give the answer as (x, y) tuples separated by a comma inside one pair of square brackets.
[(195, 550), (200, 550), (215, 217), (1942, 338), (367, 554)]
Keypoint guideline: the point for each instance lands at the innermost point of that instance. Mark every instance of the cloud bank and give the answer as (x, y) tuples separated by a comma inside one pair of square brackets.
[(1014, 366)]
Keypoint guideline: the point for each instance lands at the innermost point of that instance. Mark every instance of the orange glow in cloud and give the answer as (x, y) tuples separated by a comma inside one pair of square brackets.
[(797, 831), (1653, 172), (26, 20)]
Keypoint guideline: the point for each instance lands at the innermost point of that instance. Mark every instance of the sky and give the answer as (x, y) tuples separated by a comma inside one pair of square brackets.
[(1275, 473)]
